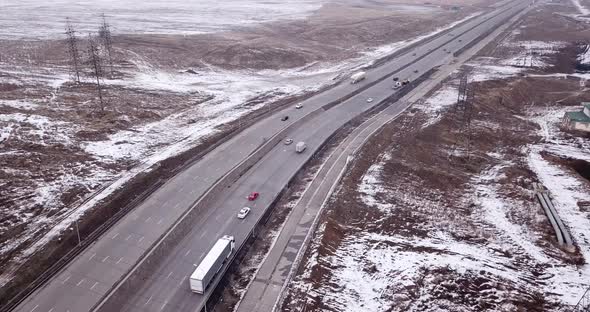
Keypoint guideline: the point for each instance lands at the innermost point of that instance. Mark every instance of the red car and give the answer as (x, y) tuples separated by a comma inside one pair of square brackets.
[(253, 196)]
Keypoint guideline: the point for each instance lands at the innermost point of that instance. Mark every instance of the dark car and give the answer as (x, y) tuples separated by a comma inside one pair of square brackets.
[(285, 118)]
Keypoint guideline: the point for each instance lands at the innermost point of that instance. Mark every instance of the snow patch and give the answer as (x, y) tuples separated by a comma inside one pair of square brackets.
[(19, 104), (435, 105)]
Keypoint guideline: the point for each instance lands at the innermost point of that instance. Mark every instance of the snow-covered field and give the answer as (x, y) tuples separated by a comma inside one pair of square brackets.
[(534, 54), (53, 114), (503, 264), (31, 19), (581, 8)]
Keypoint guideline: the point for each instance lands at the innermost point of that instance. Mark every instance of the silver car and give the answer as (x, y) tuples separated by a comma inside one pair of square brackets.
[(243, 212)]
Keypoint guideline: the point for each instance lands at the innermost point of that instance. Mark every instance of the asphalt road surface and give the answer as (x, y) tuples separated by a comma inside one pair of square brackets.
[(265, 291), (93, 274)]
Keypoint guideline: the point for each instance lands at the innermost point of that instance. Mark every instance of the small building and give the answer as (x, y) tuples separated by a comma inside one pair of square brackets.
[(578, 120)]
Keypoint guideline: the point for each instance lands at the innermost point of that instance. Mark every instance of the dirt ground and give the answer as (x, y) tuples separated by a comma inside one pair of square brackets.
[(49, 119), (427, 187), (335, 32)]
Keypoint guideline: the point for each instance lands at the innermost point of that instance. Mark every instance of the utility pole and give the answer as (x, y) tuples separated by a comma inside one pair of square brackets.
[(72, 42), (104, 32), (95, 63)]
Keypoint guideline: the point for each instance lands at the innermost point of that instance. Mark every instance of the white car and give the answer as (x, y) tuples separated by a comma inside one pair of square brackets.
[(243, 212), (288, 141), (369, 100), (298, 106)]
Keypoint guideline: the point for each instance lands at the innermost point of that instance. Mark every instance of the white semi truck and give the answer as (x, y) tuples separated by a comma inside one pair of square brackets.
[(212, 263), (358, 77)]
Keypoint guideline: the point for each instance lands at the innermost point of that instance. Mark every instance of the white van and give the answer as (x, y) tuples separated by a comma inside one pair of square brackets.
[(300, 147)]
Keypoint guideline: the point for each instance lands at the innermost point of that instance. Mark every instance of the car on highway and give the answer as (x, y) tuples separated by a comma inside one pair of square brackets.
[(253, 196), (243, 212), (298, 106), (288, 141), (284, 118), (415, 70), (369, 100)]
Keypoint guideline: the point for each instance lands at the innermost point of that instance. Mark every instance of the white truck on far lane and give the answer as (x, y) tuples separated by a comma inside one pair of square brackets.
[(212, 263), (358, 77), (300, 147)]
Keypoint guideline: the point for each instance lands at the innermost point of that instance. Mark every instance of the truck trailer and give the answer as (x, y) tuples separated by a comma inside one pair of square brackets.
[(300, 147), (358, 77), (211, 264)]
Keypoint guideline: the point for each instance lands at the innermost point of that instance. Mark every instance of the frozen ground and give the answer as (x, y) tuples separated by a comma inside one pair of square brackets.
[(58, 154), (403, 234), (31, 19)]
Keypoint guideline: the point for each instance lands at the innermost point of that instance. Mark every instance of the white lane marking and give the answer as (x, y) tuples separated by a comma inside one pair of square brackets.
[(35, 308), (128, 237), (115, 236), (169, 275), (94, 254), (187, 252), (159, 222), (148, 219), (150, 299), (67, 278), (50, 310), (165, 303), (183, 279), (95, 283), (80, 282), (105, 259), (204, 233), (119, 260), (140, 239), (176, 206)]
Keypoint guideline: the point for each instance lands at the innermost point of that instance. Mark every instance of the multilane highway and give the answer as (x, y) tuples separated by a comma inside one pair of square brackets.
[(95, 273)]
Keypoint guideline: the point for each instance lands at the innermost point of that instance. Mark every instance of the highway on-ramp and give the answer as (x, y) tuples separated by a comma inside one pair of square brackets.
[(92, 275)]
